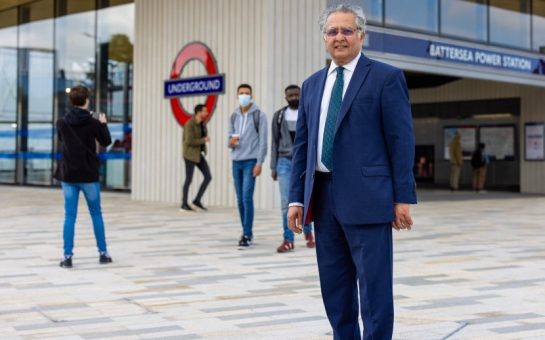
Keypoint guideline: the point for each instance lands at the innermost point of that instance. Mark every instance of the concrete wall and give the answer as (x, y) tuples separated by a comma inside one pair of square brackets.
[(266, 43)]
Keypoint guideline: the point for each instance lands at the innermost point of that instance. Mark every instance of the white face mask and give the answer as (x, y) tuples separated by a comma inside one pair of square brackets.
[(244, 99)]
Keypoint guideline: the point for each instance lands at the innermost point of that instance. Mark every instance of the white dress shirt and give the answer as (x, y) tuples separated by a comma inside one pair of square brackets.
[(330, 81)]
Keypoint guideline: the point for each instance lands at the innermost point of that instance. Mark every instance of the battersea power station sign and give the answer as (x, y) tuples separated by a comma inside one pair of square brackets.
[(479, 57), (211, 84), (452, 53)]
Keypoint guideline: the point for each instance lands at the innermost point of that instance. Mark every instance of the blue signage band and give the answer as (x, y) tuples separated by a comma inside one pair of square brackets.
[(195, 86), (429, 49)]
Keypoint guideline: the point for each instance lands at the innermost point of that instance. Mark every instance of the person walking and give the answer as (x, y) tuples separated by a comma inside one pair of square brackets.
[(248, 143), (456, 161), (352, 174), (194, 150), (283, 134), (77, 169)]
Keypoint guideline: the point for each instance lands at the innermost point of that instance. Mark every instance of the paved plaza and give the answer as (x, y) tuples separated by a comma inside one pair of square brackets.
[(472, 268)]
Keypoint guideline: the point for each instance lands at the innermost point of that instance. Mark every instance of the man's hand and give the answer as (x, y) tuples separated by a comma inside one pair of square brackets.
[(403, 218), (102, 117), (274, 175), (257, 170), (206, 139), (295, 219)]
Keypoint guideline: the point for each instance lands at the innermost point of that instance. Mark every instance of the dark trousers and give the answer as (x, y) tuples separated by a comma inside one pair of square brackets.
[(351, 257), (189, 169)]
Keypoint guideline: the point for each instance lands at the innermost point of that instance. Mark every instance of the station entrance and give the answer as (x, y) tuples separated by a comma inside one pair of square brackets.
[(482, 112)]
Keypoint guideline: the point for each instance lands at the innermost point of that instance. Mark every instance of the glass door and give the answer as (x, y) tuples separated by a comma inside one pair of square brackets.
[(39, 139), (115, 31), (36, 56), (8, 95)]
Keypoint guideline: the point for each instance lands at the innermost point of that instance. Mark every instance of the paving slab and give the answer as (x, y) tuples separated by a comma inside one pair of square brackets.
[(473, 267)]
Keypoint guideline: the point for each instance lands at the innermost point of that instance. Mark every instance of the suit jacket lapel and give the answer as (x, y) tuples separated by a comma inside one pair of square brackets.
[(317, 102), (360, 73)]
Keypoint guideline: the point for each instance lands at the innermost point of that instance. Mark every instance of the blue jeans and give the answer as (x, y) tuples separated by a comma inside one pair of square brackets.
[(91, 191), (244, 187), (283, 170)]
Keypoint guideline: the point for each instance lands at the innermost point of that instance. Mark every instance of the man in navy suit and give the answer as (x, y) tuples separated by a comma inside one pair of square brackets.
[(352, 175)]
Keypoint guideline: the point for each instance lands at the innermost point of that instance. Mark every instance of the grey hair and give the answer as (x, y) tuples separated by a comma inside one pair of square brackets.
[(345, 8)]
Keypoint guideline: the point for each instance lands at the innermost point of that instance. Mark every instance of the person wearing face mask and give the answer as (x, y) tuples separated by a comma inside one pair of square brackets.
[(283, 135), (248, 143)]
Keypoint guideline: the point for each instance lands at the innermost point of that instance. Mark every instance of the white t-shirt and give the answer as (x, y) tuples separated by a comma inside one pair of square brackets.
[(290, 115)]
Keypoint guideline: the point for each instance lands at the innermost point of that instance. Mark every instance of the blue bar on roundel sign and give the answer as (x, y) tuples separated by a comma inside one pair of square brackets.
[(195, 86)]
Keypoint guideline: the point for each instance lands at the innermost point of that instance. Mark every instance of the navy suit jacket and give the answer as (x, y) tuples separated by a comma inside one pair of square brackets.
[(373, 152)]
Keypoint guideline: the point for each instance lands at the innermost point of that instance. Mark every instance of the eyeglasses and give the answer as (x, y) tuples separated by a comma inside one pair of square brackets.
[(345, 31)]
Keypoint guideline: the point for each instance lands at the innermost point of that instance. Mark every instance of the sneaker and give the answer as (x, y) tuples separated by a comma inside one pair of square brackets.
[(186, 207), (244, 241), (104, 258), (310, 240), (66, 262), (285, 246), (199, 205)]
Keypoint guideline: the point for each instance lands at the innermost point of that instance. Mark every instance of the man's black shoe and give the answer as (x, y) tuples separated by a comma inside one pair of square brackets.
[(66, 262), (104, 258), (245, 242), (199, 205), (186, 207)]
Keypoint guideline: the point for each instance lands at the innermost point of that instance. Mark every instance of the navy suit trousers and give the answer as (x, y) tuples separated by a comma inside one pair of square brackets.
[(352, 257)]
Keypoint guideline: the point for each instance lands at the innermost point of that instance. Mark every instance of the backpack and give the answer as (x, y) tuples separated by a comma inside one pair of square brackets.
[(279, 123), (280, 117), (477, 159), (255, 115)]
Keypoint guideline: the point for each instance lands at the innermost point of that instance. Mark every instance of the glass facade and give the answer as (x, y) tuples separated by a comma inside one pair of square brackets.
[(46, 47), (115, 37), (538, 25), (464, 19), (419, 15), (35, 71), (8, 95), (518, 24), (373, 10), (510, 23)]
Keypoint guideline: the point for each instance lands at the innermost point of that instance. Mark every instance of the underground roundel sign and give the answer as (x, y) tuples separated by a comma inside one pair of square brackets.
[(210, 85)]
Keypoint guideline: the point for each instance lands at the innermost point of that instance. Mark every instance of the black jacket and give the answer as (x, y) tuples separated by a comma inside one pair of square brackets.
[(77, 132), (281, 142)]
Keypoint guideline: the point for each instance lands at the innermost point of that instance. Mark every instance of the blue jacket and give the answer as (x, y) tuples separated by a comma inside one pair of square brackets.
[(373, 152)]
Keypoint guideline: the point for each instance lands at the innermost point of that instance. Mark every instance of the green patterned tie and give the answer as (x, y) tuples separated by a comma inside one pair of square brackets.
[(332, 112)]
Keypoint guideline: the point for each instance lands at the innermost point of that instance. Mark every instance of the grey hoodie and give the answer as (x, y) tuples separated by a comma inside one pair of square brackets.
[(252, 145)]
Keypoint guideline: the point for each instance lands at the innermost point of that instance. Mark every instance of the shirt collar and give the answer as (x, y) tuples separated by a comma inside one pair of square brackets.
[(351, 66)]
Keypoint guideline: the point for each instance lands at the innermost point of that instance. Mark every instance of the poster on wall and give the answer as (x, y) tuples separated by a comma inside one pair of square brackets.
[(468, 139), (499, 140), (534, 147)]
